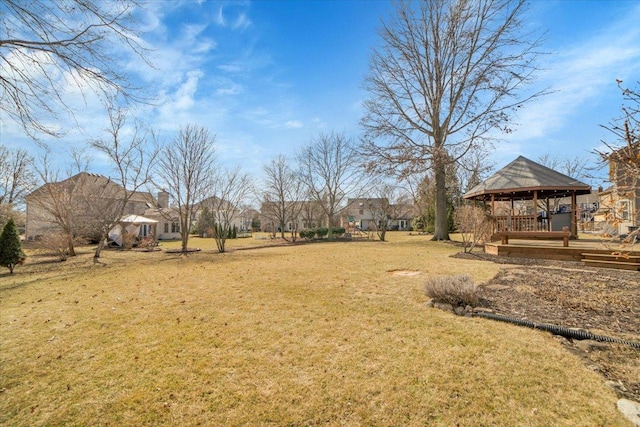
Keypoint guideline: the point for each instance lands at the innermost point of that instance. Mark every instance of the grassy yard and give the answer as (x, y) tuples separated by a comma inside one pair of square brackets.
[(316, 334)]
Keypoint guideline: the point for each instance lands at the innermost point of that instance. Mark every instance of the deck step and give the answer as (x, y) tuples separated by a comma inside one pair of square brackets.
[(621, 265), (611, 257)]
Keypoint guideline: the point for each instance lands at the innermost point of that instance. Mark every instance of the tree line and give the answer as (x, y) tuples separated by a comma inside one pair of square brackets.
[(445, 81)]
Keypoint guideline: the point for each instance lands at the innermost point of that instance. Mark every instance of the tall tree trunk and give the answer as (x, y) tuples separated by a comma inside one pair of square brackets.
[(72, 249), (441, 223), (330, 227), (185, 243), (101, 242)]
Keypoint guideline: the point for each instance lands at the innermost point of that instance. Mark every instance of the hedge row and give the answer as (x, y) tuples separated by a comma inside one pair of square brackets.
[(320, 232)]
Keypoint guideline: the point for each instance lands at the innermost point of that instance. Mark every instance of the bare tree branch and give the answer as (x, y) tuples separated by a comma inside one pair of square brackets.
[(132, 153), (331, 172), (446, 76), (283, 195), (187, 171), (47, 45)]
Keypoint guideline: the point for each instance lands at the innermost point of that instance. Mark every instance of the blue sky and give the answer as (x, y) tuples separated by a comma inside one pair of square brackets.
[(266, 76)]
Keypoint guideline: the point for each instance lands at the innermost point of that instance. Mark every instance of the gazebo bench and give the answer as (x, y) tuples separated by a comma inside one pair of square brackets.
[(547, 235)]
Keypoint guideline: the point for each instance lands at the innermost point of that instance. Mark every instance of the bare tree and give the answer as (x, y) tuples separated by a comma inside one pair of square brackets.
[(473, 224), (47, 45), (54, 207), (283, 195), (311, 213), (623, 159), (17, 178), (574, 167), (446, 76), (331, 172), (385, 206), (186, 171), (132, 153), (230, 189), (16, 175)]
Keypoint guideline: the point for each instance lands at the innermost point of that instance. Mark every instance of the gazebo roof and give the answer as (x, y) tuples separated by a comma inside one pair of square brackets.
[(137, 219), (521, 177)]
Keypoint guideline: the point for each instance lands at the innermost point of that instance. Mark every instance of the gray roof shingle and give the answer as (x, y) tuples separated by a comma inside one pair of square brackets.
[(521, 177)]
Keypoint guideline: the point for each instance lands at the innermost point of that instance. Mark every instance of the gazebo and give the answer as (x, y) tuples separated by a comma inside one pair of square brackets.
[(134, 224), (525, 180)]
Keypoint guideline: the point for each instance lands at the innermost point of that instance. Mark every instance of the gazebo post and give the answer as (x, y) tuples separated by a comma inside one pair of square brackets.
[(574, 219), (548, 216), (535, 210), (493, 211)]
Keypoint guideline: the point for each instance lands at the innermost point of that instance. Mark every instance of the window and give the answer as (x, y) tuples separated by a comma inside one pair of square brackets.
[(175, 227), (622, 210), (166, 227), (361, 211)]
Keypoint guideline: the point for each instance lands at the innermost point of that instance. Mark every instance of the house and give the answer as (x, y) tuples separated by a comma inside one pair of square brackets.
[(206, 213), (619, 204), (79, 205), (369, 213), (168, 218), (302, 214), (214, 210)]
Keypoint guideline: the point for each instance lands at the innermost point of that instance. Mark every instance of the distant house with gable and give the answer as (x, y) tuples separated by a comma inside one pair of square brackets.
[(79, 202), (619, 210)]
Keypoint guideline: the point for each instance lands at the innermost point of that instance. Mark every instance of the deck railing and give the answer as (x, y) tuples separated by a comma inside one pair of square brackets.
[(518, 223)]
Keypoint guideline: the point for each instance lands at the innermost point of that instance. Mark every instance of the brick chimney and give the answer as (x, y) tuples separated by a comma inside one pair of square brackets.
[(163, 199)]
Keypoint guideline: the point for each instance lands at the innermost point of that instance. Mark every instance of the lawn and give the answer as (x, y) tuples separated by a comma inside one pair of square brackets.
[(314, 334)]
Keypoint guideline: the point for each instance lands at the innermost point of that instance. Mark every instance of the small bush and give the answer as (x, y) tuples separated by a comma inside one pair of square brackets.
[(339, 231), (128, 240), (57, 244), (322, 232), (308, 234), (459, 291)]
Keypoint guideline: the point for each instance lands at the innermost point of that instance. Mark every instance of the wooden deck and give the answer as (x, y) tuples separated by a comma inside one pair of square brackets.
[(537, 249)]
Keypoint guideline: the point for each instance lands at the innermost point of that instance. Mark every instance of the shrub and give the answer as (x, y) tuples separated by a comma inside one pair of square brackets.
[(57, 244), (459, 291), (473, 225), (308, 234), (322, 232), (128, 240), (339, 231)]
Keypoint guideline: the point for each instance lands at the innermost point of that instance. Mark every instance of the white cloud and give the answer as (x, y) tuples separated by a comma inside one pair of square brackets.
[(219, 19), (184, 95), (293, 124), (242, 22), (579, 75), (319, 122), (233, 89), (231, 68)]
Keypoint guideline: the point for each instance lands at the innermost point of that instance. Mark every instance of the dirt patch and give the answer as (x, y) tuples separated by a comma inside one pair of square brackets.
[(406, 273), (603, 301)]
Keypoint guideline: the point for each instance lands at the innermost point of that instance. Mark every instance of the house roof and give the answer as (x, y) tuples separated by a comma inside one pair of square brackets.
[(92, 179), (521, 177)]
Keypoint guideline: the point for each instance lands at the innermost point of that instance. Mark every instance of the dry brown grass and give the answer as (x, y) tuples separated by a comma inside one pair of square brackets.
[(318, 334)]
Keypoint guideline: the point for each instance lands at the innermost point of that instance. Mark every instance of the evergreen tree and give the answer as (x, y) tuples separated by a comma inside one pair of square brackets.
[(10, 247)]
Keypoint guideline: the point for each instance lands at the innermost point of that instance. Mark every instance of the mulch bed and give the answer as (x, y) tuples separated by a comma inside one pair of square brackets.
[(603, 301)]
